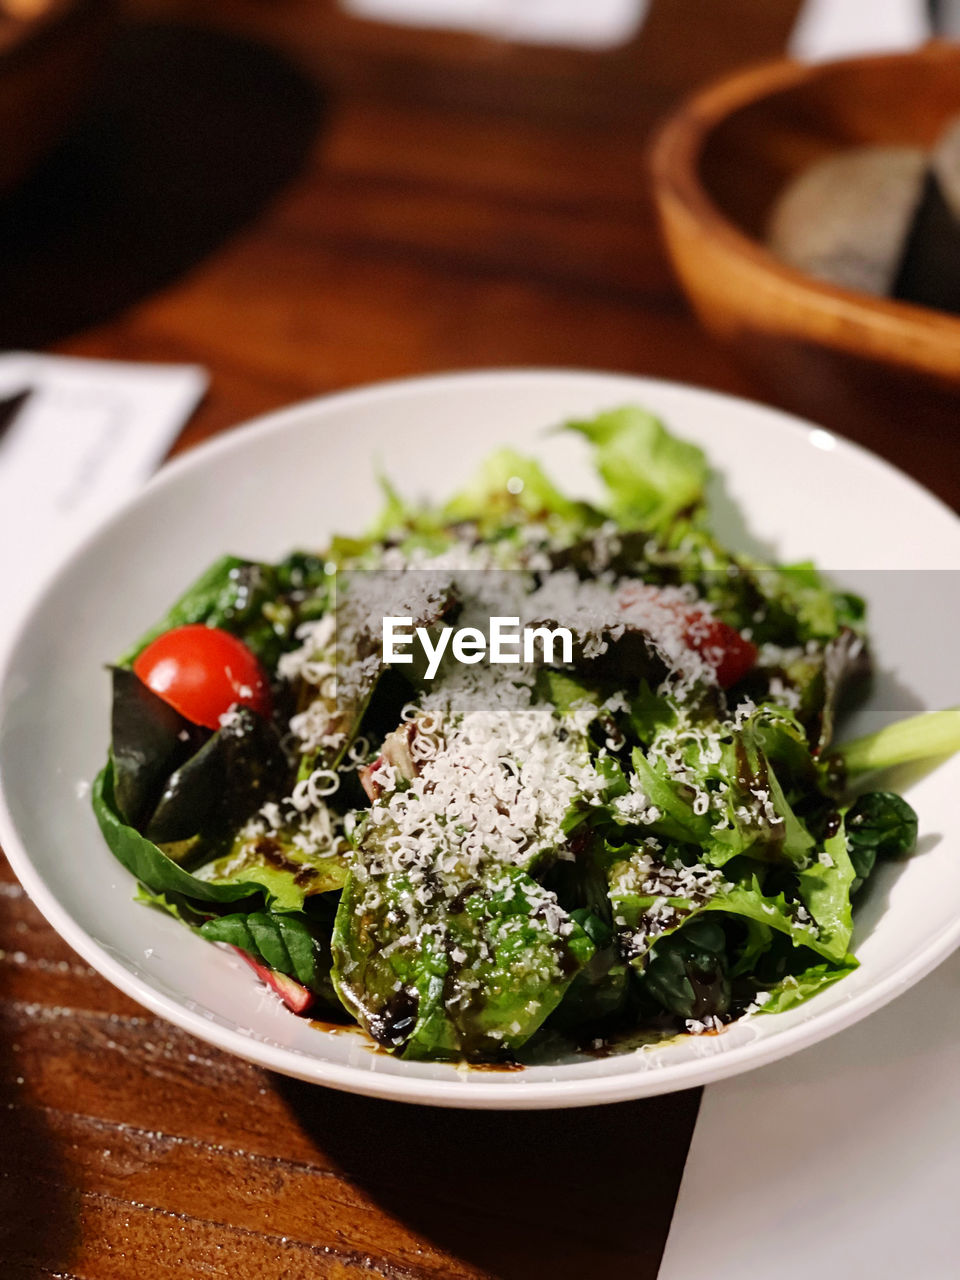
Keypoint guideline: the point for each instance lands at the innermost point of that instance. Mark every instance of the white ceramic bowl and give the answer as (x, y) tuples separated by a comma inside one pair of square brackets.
[(296, 476)]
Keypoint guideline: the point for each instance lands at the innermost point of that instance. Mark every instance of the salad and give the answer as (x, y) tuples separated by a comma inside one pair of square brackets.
[(639, 825)]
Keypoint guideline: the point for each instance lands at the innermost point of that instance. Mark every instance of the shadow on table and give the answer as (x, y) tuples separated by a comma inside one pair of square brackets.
[(516, 1194), (190, 134), (39, 1213)]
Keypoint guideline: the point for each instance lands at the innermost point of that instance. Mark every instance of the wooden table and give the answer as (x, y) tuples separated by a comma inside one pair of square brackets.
[(302, 203)]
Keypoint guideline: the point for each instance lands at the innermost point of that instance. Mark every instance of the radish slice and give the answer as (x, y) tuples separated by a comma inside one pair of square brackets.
[(292, 993)]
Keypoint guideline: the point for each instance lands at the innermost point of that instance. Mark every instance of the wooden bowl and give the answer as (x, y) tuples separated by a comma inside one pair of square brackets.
[(718, 165), (48, 54)]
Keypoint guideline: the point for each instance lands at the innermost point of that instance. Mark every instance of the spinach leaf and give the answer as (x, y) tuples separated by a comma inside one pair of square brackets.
[(301, 573), (209, 599), (687, 974), (757, 940), (878, 824), (597, 994), (189, 797), (149, 864), (287, 942)]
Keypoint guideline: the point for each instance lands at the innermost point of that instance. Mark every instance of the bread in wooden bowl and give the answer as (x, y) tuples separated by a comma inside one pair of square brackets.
[(720, 165)]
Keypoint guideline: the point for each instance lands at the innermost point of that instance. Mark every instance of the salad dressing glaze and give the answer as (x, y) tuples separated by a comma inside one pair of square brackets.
[(270, 851)]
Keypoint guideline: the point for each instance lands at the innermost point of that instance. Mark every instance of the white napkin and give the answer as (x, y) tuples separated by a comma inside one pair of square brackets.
[(90, 432), (837, 1163), (827, 29), (599, 24)]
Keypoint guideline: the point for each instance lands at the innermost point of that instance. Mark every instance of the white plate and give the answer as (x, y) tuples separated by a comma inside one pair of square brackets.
[(296, 476)]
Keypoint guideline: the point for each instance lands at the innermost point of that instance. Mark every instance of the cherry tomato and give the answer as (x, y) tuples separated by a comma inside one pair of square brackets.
[(723, 647), (203, 672)]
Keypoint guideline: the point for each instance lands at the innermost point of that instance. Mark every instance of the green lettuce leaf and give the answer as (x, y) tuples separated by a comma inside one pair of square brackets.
[(564, 690), (794, 989), (936, 733), (825, 889), (637, 912), (650, 475), (745, 763), (477, 980), (286, 874), (511, 489), (403, 521)]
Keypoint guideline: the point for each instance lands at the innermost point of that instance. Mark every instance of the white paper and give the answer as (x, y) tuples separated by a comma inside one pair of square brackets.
[(597, 24), (842, 1161), (90, 433), (827, 29)]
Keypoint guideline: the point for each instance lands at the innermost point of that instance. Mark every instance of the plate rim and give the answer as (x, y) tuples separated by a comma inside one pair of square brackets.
[(462, 1093)]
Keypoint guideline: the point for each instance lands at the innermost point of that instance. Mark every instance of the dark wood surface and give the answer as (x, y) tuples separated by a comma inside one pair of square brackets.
[(303, 203)]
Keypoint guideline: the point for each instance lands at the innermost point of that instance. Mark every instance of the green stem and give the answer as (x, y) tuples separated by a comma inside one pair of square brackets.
[(935, 734)]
